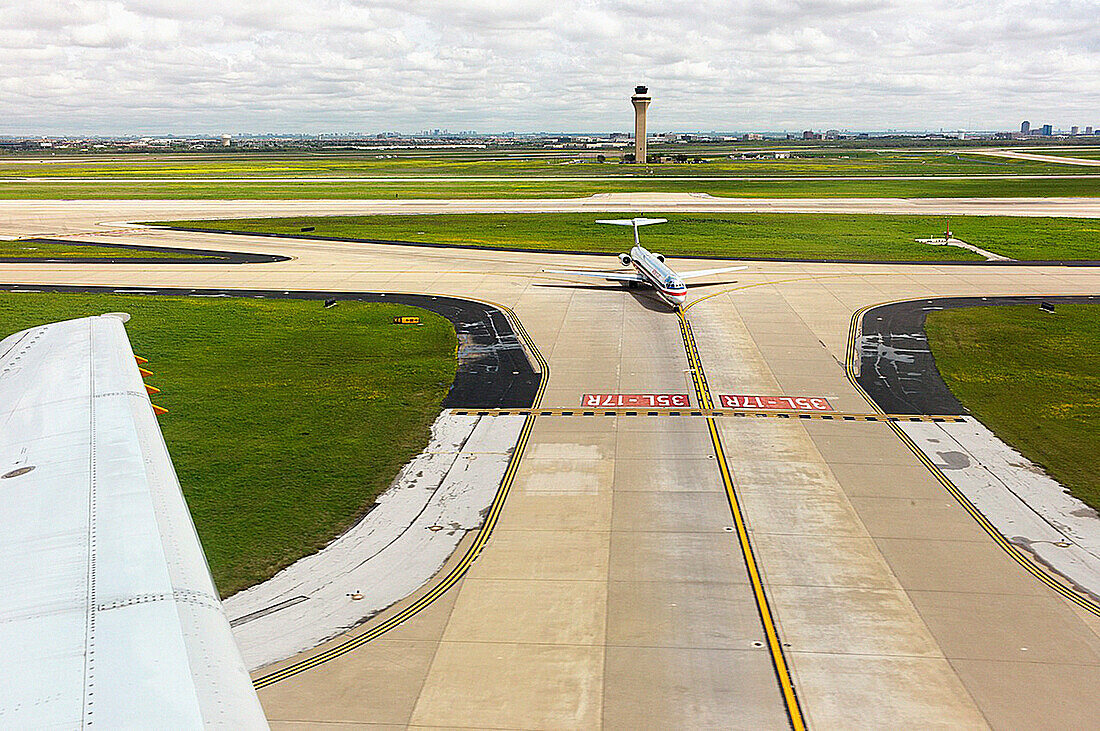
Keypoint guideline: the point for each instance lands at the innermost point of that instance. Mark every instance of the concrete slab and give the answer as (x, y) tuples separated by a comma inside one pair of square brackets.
[(664, 557), (853, 691), (689, 688), (700, 614), (686, 474), (383, 690), (1023, 629), (545, 554), (933, 518), (540, 612), (514, 686), (822, 560), (852, 621), (683, 512), (929, 565), (1054, 696)]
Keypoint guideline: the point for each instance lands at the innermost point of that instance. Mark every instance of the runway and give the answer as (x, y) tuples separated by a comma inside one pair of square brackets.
[(1036, 157), (617, 587), (48, 218)]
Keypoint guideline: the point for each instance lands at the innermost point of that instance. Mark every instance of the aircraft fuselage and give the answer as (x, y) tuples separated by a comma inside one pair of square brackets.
[(655, 272)]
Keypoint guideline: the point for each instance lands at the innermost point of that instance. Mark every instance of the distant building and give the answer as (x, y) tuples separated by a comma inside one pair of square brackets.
[(1025, 127), (832, 134), (1046, 130), (1074, 130), (809, 135), (226, 140), (1088, 130)]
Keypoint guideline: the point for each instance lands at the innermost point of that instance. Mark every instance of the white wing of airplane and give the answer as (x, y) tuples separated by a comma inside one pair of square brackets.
[(108, 614), (609, 276), (708, 272)]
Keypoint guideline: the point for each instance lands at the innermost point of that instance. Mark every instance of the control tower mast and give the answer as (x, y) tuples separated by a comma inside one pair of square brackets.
[(640, 100)]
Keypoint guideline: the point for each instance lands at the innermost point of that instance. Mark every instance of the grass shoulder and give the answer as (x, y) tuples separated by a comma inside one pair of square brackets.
[(35, 249), (285, 420), (1033, 379), (782, 235)]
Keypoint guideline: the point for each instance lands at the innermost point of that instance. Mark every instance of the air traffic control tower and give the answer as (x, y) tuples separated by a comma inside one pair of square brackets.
[(640, 100)]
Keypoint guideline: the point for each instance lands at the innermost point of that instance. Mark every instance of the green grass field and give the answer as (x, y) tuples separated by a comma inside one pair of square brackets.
[(519, 173), (510, 163), (285, 419), (810, 236), (1034, 379), (62, 250), (550, 188)]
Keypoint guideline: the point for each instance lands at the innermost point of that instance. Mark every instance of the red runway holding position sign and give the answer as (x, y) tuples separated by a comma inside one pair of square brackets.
[(779, 403), (637, 400)]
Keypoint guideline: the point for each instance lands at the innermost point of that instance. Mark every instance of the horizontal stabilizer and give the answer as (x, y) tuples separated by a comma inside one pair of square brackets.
[(633, 221)]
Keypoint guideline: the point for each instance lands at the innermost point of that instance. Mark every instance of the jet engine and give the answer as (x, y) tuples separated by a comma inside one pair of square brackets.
[(625, 259)]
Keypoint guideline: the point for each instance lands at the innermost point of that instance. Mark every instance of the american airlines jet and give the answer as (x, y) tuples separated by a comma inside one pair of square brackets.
[(650, 269)]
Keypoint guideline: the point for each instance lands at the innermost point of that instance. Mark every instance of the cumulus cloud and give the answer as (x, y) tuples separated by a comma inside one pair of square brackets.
[(120, 66)]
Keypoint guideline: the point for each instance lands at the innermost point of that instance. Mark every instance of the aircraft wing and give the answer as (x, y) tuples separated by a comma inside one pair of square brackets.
[(609, 276), (708, 272), (108, 613)]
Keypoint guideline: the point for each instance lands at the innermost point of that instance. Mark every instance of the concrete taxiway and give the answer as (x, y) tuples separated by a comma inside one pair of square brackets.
[(615, 589)]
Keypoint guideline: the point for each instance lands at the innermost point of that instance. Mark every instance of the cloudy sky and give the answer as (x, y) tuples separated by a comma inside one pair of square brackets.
[(213, 66)]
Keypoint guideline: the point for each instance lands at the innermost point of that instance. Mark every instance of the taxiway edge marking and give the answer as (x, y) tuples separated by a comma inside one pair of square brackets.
[(775, 646)]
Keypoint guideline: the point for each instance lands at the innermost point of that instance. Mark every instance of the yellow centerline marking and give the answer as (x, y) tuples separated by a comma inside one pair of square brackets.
[(775, 646), (851, 362), (468, 558)]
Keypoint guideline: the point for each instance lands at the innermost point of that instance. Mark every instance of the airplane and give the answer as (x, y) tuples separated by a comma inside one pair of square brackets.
[(649, 268)]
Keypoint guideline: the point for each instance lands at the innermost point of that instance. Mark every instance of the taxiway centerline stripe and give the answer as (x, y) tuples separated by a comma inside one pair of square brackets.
[(775, 646), (854, 328), (467, 559)]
